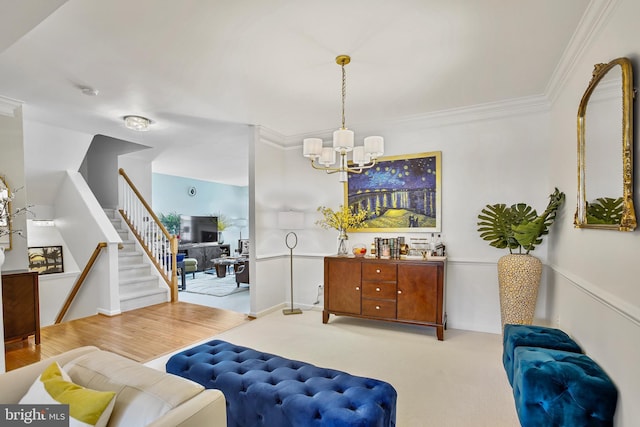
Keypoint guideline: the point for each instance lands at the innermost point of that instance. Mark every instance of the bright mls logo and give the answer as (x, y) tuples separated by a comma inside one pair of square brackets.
[(34, 415)]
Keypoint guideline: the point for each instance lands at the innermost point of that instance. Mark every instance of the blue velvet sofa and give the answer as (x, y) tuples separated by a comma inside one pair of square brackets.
[(267, 390), (554, 383)]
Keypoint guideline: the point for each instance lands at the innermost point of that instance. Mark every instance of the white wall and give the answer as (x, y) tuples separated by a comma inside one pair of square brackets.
[(211, 198), (594, 292), (267, 195), (502, 159), (139, 171), (49, 151), (12, 168)]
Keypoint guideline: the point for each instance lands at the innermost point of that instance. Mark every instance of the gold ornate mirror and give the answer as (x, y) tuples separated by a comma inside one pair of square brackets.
[(5, 215), (605, 172)]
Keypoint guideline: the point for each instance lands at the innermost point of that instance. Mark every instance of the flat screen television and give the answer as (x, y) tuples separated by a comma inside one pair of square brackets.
[(198, 229)]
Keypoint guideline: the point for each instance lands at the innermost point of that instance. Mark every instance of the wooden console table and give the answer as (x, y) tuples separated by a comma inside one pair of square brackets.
[(405, 291), (20, 305)]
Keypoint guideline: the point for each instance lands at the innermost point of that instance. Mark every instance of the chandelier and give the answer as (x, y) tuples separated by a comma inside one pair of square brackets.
[(363, 156)]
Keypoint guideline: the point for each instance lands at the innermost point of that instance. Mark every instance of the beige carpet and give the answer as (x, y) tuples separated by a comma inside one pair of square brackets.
[(458, 382)]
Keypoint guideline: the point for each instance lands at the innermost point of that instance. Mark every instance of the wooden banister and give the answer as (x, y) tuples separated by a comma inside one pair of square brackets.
[(137, 227), (145, 204), (80, 281)]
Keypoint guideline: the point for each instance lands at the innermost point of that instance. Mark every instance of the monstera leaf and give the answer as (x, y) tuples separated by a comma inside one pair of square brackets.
[(605, 210), (497, 221), (518, 226), (529, 234)]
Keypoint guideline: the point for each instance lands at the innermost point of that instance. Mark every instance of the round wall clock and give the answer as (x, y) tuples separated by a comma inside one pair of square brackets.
[(192, 191)]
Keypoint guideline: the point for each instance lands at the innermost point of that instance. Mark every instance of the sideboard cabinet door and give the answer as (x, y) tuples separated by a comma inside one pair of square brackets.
[(342, 287), (418, 293)]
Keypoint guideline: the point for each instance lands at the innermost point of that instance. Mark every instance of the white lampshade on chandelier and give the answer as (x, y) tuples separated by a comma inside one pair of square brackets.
[(363, 156)]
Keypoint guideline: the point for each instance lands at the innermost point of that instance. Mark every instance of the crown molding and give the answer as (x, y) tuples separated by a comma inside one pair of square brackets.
[(9, 106), (270, 137), (488, 111), (592, 22)]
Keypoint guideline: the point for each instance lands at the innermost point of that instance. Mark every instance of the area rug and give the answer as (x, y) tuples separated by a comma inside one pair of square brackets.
[(216, 286)]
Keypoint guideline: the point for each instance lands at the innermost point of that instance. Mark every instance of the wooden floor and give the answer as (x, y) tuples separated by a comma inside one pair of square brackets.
[(141, 334)]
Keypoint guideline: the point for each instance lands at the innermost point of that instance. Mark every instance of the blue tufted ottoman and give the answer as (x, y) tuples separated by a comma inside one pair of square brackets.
[(267, 390), (533, 336), (560, 388)]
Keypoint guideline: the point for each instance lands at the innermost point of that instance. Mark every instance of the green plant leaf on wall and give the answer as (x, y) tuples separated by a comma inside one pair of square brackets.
[(605, 210)]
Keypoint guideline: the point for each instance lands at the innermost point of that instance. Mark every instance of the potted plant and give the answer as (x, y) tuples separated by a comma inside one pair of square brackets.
[(171, 222), (342, 219), (223, 223), (518, 227)]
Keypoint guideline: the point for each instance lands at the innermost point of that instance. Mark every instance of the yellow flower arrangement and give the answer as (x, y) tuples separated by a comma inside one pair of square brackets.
[(342, 219)]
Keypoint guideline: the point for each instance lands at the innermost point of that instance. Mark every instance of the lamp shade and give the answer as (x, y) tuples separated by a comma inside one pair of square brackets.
[(327, 157), (290, 220), (374, 146), (312, 147), (343, 140)]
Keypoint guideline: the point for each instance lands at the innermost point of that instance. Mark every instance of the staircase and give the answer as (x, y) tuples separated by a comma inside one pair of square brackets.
[(139, 286)]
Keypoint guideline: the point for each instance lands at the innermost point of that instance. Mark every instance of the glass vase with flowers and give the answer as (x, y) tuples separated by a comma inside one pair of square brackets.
[(343, 219)]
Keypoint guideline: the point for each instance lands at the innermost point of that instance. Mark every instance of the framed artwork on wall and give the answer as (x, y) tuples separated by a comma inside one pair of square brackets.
[(46, 259), (402, 193)]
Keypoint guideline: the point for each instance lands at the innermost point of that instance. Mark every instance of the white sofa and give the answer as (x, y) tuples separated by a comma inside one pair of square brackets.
[(145, 396)]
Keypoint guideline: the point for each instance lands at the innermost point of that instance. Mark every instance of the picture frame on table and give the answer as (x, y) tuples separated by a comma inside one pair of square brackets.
[(46, 259), (402, 193)]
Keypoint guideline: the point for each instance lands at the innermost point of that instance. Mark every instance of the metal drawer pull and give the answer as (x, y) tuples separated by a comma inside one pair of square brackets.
[(378, 270), (357, 288), (377, 307), (399, 292), (377, 289)]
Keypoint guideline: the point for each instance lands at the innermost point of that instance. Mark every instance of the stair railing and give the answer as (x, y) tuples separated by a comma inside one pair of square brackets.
[(160, 246), (80, 281)]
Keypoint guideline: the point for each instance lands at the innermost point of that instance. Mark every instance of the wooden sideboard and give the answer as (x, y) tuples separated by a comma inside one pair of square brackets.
[(405, 291), (20, 305)]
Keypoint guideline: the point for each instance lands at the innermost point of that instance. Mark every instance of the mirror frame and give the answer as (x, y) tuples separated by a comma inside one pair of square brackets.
[(7, 244), (628, 220)]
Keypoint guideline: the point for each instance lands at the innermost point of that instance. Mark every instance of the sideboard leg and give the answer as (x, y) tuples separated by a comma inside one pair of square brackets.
[(440, 332), (325, 316)]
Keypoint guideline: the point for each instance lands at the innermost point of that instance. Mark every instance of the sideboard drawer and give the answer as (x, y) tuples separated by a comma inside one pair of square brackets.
[(379, 308), (379, 290), (379, 272)]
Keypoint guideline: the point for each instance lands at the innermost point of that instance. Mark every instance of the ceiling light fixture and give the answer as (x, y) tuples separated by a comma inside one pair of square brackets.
[(138, 123), (89, 91), (324, 158)]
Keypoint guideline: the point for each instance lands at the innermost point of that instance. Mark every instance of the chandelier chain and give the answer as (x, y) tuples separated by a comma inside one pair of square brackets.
[(344, 92)]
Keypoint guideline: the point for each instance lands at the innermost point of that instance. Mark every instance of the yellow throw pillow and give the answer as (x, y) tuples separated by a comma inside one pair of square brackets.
[(86, 407)]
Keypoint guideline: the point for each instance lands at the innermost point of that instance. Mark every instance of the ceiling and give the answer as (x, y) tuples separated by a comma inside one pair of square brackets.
[(202, 70)]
